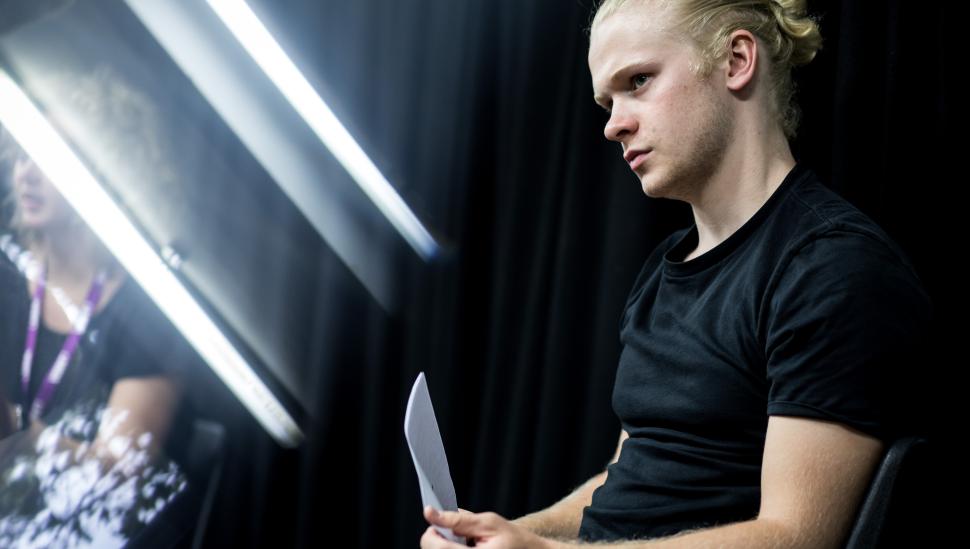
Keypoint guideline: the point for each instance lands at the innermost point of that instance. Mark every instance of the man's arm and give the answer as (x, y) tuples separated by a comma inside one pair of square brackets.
[(562, 518), (813, 478)]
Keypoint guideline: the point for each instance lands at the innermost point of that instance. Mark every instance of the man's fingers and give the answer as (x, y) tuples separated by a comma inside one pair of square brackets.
[(433, 540), (449, 519), (463, 524)]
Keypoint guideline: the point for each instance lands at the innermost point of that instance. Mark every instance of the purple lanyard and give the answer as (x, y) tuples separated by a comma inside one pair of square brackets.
[(80, 324)]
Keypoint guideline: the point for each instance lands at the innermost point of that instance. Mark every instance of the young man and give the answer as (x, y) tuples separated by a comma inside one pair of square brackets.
[(760, 345)]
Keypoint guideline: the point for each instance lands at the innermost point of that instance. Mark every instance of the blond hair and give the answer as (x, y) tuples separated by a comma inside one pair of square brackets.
[(789, 36)]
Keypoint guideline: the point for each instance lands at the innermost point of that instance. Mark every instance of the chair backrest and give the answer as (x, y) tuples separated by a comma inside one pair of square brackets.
[(206, 450), (889, 514)]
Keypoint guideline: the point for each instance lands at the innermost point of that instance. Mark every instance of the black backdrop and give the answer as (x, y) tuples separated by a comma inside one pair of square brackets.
[(481, 113)]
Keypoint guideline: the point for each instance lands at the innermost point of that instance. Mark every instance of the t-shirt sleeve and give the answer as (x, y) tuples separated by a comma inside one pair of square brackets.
[(845, 326), (144, 342)]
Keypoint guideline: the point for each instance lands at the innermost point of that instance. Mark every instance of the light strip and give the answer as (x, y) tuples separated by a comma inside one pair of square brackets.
[(79, 187), (262, 47)]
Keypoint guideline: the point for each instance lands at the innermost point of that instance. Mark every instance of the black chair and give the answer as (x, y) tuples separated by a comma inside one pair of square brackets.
[(206, 451), (894, 512)]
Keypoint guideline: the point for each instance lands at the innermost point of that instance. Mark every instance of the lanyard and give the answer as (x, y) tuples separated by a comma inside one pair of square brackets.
[(54, 375)]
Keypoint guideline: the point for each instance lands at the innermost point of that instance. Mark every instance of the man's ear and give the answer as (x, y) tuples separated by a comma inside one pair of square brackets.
[(743, 58)]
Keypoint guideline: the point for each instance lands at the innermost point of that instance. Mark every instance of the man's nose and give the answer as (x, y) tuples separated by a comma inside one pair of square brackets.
[(619, 125)]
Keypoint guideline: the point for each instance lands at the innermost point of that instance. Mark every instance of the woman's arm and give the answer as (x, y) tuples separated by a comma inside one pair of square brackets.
[(140, 410), (137, 418)]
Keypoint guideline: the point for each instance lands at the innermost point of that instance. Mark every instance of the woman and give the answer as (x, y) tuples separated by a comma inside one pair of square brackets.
[(120, 364), (90, 371)]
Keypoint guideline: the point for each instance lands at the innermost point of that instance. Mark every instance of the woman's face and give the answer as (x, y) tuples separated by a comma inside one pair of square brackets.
[(39, 205)]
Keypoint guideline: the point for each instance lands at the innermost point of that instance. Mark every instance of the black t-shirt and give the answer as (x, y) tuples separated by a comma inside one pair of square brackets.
[(808, 309), (128, 338)]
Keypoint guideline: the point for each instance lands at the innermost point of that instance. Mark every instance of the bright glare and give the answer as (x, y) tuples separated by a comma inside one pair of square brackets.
[(55, 158), (259, 43)]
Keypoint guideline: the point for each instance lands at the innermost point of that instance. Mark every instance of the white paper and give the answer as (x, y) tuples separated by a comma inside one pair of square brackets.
[(428, 453)]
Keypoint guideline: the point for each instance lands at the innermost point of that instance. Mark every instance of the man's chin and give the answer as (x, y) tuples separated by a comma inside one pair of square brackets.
[(649, 187)]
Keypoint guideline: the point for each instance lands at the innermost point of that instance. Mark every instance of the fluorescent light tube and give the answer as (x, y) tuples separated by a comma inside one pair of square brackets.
[(270, 57)]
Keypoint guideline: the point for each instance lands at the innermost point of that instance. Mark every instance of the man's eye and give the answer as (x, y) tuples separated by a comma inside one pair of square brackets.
[(640, 80)]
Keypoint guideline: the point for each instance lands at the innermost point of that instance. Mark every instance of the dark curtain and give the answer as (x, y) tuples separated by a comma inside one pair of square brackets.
[(481, 114)]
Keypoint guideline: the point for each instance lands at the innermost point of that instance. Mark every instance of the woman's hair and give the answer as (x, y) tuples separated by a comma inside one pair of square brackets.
[(789, 36), (96, 107), (9, 149), (119, 125)]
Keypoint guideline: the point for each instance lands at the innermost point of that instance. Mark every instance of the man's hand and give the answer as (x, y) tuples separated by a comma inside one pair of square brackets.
[(487, 530)]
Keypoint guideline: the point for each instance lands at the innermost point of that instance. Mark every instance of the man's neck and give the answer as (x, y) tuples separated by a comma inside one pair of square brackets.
[(737, 191)]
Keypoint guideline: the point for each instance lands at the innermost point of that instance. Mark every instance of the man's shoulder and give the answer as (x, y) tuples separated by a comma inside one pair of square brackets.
[(817, 205), (843, 263), (816, 216)]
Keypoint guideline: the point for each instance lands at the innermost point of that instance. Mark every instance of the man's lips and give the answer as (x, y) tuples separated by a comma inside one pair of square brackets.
[(634, 157)]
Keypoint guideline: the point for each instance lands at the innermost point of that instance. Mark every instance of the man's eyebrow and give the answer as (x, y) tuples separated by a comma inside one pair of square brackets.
[(602, 100)]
